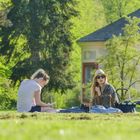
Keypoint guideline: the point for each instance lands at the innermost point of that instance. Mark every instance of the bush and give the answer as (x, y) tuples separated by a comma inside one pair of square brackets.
[(7, 95), (63, 100)]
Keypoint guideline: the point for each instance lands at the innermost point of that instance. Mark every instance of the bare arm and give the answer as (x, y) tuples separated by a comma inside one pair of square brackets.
[(38, 100)]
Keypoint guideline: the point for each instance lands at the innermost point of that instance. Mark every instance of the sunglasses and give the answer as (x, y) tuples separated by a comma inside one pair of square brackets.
[(101, 76)]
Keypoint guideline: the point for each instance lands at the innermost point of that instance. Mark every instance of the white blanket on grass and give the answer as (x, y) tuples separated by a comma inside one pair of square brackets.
[(102, 109)]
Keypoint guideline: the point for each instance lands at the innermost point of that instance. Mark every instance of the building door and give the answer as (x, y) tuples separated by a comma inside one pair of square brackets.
[(87, 72), (87, 75)]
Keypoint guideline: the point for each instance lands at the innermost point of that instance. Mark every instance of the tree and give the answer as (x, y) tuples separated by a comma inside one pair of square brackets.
[(123, 59), (115, 9), (40, 37), (90, 18)]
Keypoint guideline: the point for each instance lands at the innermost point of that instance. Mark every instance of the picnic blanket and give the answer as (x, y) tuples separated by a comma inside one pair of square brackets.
[(93, 109), (72, 110), (102, 109)]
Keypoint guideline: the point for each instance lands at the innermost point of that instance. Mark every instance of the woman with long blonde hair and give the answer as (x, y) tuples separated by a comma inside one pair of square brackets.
[(102, 93)]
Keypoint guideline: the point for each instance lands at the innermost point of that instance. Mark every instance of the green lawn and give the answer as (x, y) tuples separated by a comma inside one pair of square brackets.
[(44, 126)]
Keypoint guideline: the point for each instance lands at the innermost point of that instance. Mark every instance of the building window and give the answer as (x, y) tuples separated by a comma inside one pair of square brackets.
[(89, 55)]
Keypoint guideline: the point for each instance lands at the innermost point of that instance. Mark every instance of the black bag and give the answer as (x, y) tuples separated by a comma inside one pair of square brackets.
[(126, 107), (84, 108)]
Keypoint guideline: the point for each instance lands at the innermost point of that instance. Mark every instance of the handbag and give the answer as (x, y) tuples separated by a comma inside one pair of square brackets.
[(126, 107)]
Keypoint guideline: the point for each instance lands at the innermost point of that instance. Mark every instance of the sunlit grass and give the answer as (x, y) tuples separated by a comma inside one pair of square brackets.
[(86, 126)]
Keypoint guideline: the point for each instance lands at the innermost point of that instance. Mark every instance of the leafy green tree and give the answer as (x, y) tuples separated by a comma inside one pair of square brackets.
[(40, 37), (115, 9), (122, 59), (90, 18)]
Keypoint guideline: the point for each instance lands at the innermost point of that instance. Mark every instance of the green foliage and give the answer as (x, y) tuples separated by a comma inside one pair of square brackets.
[(7, 92), (67, 100), (90, 18), (122, 57), (43, 28), (8, 95), (3, 13), (40, 36), (115, 9), (7, 102)]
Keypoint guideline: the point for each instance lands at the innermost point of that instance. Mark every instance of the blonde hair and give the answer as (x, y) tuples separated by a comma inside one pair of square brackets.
[(40, 74), (95, 83)]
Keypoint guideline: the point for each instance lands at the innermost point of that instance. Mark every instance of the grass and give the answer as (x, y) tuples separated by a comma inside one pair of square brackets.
[(86, 126)]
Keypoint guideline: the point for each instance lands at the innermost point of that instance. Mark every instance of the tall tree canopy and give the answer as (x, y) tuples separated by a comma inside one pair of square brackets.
[(90, 18), (39, 38), (115, 9)]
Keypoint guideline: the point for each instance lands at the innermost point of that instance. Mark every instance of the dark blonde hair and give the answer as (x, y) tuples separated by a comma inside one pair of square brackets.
[(40, 73), (95, 83)]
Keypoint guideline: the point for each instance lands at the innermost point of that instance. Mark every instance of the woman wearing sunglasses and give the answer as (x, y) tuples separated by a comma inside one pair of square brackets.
[(102, 92)]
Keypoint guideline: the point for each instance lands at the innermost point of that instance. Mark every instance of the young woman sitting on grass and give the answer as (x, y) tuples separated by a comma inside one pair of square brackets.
[(103, 93), (29, 94)]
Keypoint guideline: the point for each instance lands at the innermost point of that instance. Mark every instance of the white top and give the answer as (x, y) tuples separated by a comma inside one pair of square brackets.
[(26, 95)]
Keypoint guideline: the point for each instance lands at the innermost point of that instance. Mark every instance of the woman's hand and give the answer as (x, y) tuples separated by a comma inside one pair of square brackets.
[(97, 89), (50, 104)]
